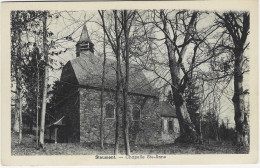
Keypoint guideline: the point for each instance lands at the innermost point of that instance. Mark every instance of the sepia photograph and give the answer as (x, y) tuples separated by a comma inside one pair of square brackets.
[(134, 84)]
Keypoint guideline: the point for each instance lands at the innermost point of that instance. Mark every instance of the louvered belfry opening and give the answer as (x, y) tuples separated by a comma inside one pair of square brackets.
[(84, 43)]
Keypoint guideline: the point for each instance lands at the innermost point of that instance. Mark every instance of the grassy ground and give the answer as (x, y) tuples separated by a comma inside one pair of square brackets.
[(28, 148)]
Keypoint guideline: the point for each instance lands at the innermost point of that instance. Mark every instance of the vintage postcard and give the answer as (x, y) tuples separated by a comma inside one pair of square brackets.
[(129, 83)]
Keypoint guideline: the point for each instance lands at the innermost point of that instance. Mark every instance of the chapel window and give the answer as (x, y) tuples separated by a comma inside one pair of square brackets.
[(170, 126), (109, 110), (136, 113)]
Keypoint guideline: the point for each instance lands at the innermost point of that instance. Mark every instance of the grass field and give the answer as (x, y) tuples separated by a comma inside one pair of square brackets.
[(28, 148)]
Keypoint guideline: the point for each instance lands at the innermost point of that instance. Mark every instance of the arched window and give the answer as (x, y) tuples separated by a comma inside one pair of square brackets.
[(136, 113), (109, 110), (170, 125)]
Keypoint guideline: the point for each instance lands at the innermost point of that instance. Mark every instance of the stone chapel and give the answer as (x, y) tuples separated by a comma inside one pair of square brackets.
[(150, 122)]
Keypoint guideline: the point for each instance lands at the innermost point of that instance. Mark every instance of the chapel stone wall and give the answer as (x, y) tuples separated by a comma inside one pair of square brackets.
[(145, 131)]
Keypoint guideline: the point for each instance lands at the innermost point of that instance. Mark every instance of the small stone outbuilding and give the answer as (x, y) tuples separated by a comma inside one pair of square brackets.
[(170, 124)]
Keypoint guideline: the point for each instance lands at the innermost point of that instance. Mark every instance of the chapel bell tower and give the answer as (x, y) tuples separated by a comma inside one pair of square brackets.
[(84, 43)]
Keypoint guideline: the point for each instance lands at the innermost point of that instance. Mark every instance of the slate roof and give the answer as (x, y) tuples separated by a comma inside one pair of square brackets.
[(87, 68), (166, 109)]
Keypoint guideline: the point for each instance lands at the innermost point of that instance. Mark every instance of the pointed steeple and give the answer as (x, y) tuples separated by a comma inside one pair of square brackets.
[(84, 43), (84, 37)]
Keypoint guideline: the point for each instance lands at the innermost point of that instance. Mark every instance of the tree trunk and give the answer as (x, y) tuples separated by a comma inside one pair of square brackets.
[(242, 128), (37, 104), (44, 99), (19, 104), (116, 149), (187, 128), (16, 127), (101, 96), (239, 33), (126, 122), (116, 50), (125, 90), (200, 131), (16, 118), (20, 116), (188, 132), (19, 86), (15, 54)]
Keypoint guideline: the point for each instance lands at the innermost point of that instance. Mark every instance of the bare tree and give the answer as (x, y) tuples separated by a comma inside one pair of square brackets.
[(175, 56), (102, 92), (118, 67), (44, 99), (16, 69), (236, 26), (20, 105), (116, 47), (127, 19), (37, 104), (180, 32), (25, 24)]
